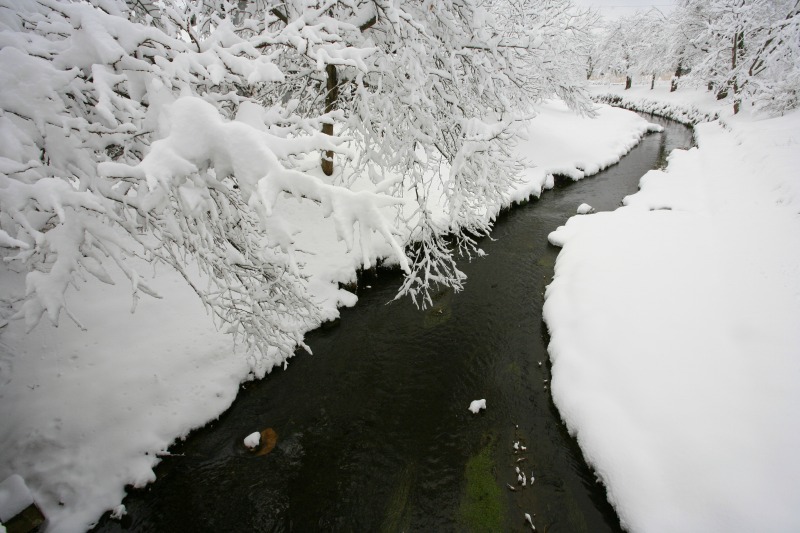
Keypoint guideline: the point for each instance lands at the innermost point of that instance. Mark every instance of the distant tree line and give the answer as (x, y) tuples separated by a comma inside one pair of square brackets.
[(740, 49)]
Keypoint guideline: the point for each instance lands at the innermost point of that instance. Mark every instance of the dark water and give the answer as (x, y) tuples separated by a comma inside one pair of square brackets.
[(373, 432)]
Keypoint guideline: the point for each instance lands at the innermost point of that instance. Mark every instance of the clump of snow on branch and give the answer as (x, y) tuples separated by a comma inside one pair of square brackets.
[(219, 182), (86, 92)]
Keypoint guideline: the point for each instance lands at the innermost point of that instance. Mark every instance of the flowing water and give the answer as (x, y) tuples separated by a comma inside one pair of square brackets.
[(372, 432)]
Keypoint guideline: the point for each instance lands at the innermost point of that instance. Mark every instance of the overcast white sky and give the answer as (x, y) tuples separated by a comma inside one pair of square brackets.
[(618, 8)]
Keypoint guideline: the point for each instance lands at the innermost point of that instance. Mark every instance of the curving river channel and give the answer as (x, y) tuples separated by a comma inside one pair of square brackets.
[(372, 432)]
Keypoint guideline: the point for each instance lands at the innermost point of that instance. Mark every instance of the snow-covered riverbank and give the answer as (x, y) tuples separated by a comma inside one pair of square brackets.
[(82, 414), (674, 323)]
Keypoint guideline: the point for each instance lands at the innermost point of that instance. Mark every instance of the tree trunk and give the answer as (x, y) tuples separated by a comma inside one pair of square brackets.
[(331, 97), (673, 86), (737, 49), (628, 82), (652, 82)]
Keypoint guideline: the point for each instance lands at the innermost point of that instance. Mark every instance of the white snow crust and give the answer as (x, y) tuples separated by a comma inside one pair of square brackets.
[(674, 330), (84, 413)]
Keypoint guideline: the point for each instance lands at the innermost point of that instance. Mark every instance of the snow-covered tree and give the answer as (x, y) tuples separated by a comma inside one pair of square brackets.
[(684, 24), (86, 93), (618, 50), (169, 131), (431, 91), (636, 45), (748, 49), (653, 32)]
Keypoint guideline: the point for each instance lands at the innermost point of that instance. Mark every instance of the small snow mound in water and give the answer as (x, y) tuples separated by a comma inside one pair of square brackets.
[(252, 440), (584, 209), (477, 405)]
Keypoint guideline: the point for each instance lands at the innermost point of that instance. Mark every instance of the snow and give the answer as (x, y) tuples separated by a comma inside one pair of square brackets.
[(14, 497), (529, 520), (118, 512), (476, 405), (82, 414), (85, 413), (590, 146), (252, 440), (673, 324), (585, 209)]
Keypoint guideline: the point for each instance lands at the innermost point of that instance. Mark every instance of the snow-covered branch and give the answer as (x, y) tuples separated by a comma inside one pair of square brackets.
[(170, 131), (85, 183)]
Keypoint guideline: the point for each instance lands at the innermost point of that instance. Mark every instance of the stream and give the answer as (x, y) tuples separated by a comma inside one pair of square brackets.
[(372, 432)]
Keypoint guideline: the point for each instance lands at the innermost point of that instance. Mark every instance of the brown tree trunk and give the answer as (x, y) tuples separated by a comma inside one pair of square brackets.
[(331, 97), (738, 48), (678, 73), (628, 82)]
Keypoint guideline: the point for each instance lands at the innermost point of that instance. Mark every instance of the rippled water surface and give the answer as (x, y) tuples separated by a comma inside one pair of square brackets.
[(373, 431)]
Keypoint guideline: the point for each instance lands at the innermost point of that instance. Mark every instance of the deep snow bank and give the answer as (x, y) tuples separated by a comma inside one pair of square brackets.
[(82, 414), (674, 333)]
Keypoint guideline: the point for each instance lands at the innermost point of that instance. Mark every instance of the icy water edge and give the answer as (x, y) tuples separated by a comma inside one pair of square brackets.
[(372, 432)]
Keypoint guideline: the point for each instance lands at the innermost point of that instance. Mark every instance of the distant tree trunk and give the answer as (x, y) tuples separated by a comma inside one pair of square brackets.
[(652, 81), (628, 82), (239, 15), (736, 50), (331, 97), (673, 86)]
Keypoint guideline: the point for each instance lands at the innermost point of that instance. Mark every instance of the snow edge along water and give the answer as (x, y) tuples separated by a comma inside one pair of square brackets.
[(672, 323), (85, 414)]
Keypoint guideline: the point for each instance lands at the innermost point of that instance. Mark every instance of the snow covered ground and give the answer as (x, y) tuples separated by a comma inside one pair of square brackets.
[(674, 330), (83, 413)]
